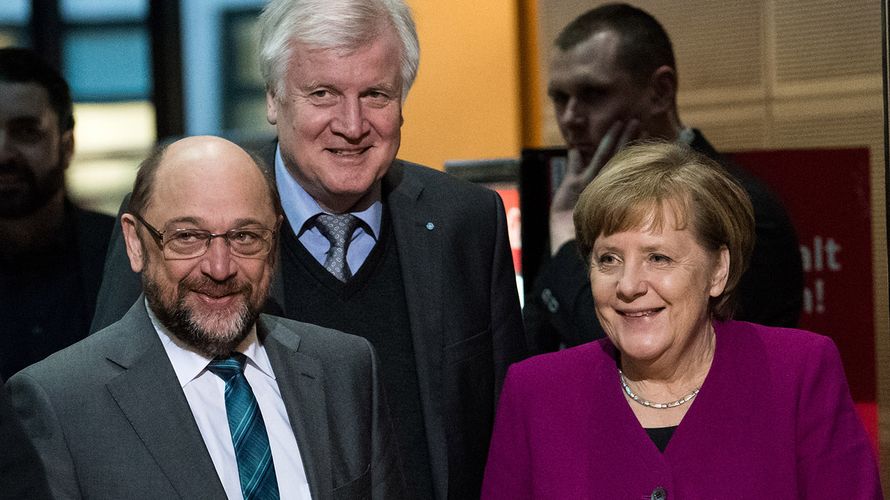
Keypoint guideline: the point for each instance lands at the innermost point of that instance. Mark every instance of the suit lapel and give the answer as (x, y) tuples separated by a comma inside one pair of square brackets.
[(301, 382), (420, 241), (148, 394)]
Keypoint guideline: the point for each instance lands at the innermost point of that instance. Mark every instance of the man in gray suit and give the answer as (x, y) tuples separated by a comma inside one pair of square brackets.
[(194, 393)]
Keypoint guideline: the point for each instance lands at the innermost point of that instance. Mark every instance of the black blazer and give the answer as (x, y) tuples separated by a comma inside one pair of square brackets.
[(462, 303)]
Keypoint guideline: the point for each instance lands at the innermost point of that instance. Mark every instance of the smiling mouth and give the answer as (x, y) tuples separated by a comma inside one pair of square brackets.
[(220, 296), (215, 296), (348, 152), (641, 314)]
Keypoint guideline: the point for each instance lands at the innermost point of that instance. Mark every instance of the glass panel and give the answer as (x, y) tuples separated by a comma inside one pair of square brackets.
[(248, 116), (110, 140), (106, 58), (14, 16), (244, 95), (13, 37), (223, 89), (15, 11), (108, 63), (92, 11)]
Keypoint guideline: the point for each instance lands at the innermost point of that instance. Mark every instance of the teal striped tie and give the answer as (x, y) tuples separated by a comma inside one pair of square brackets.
[(255, 467)]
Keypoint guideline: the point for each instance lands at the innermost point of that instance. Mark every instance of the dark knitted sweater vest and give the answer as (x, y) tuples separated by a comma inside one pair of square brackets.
[(372, 305)]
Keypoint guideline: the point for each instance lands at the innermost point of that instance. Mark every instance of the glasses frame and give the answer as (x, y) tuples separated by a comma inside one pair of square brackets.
[(158, 237)]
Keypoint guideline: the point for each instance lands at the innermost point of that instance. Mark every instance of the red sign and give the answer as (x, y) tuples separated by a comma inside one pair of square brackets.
[(826, 193)]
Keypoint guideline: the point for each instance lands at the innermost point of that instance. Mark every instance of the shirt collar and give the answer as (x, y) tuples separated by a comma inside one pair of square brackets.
[(299, 206), (189, 364)]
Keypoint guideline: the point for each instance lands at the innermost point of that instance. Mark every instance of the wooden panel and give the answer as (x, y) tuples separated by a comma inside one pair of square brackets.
[(817, 39)]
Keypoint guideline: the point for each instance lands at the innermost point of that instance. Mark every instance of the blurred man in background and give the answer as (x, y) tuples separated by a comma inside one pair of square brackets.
[(613, 79), (52, 251)]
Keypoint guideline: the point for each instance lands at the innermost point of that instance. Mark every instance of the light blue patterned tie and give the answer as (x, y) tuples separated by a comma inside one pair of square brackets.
[(255, 467), (338, 230)]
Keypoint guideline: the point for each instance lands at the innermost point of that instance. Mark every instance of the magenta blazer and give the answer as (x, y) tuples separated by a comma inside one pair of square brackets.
[(774, 420)]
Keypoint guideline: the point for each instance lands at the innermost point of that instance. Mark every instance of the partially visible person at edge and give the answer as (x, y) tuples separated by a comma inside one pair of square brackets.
[(21, 473), (428, 276), (613, 79), (52, 252), (679, 400)]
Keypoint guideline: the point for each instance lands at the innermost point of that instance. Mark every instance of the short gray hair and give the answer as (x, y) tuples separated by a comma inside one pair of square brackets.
[(333, 24)]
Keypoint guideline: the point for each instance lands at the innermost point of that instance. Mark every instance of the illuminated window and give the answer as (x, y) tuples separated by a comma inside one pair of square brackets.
[(106, 58)]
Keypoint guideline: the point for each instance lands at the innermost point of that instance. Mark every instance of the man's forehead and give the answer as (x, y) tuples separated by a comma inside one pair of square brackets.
[(387, 42), (349, 43), (24, 99), (596, 55), (213, 175)]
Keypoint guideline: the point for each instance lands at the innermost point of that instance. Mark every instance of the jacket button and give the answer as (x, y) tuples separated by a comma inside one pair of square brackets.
[(659, 494)]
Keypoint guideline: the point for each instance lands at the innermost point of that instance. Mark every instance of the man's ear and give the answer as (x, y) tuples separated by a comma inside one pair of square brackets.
[(135, 249), (66, 148), (273, 254), (663, 90), (271, 107)]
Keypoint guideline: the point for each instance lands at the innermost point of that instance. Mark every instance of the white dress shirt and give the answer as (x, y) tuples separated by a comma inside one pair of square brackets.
[(205, 393)]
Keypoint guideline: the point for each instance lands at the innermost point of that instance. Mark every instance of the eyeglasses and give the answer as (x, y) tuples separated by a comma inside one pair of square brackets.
[(180, 244)]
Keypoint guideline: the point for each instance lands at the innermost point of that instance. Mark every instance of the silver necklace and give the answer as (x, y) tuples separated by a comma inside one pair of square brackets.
[(651, 404)]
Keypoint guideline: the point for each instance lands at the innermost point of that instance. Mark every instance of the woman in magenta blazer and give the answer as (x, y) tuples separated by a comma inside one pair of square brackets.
[(678, 402)]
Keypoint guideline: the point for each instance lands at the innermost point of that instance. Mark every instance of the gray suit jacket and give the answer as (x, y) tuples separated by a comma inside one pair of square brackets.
[(109, 419)]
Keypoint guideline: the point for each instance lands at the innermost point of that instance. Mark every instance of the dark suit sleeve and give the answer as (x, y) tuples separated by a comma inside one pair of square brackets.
[(559, 311), (386, 473), (771, 290), (120, 285), (44, 429), (506, 322), (21, 472)]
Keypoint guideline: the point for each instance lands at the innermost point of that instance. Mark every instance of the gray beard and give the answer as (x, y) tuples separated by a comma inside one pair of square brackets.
[(211, 336)]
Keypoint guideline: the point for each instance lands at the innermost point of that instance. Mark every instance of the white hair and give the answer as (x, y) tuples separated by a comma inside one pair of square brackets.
[(333, 24)]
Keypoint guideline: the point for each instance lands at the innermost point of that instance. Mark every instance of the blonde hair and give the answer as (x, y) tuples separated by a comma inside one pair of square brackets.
[(644, 180)]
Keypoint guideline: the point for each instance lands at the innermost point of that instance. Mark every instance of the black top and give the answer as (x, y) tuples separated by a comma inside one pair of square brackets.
[(661, 436), (559, 311), (371, 304), (47, 298)]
